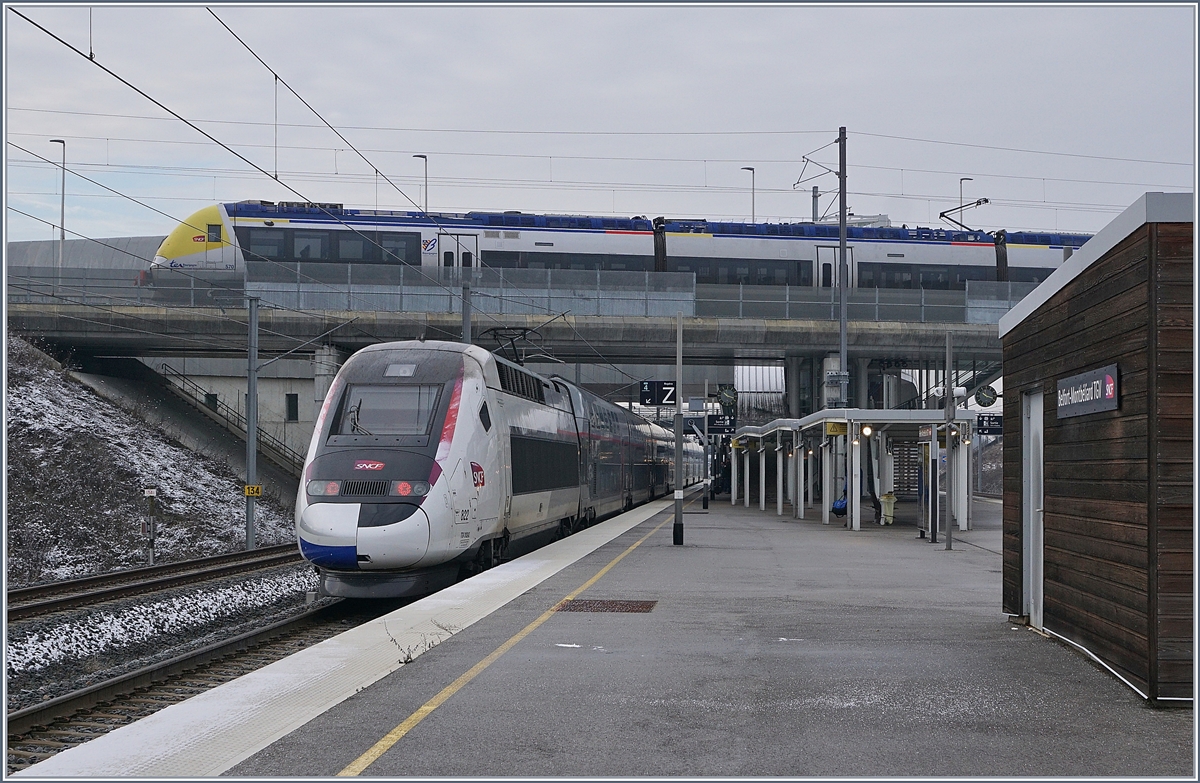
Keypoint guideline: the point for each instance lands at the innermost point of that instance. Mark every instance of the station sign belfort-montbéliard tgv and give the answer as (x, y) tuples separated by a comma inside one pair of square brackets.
[(1089, 392)]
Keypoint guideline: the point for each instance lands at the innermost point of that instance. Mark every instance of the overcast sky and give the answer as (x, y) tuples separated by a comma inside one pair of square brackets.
[(1062, 116)]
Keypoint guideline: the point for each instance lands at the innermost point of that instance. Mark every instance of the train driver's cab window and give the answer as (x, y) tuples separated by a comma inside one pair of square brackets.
[(214, 232), (310, 246), (386, 410)]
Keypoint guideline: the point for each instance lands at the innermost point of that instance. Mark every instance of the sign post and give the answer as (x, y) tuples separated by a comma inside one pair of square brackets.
[(149, 529), (677, 530)]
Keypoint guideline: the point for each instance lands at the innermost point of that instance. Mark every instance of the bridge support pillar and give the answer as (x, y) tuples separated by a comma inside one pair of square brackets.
[(861, 385), (791, 383)]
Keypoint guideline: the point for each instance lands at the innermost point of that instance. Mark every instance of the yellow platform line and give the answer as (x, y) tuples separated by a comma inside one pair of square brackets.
[(357, 766)]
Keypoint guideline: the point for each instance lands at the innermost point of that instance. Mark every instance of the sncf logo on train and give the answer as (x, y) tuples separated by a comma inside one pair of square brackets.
[(477, 474), (366, 464)]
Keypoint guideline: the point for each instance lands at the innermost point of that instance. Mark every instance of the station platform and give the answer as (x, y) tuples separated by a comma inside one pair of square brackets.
[(763, 646)]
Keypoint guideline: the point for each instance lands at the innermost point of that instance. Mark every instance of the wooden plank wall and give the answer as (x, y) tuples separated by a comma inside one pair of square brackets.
[(1171, 507), (1096, 476)]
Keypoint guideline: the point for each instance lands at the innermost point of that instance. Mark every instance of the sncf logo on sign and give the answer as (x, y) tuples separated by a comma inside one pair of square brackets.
[(366, 464), (1089, 392), (477, 474)]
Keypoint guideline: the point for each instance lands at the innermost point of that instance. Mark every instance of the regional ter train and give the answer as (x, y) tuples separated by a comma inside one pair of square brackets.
[(429, 458), (261, 240)]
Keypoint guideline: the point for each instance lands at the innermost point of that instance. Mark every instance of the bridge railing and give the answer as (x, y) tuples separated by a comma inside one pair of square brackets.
[(982, 302), (369, 287), (501, 291)]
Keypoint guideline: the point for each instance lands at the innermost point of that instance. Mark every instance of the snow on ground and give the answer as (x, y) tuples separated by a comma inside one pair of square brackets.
[(33, 649), (76, 467)]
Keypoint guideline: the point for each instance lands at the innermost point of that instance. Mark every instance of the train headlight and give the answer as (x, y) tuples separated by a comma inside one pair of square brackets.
[(321, 488), (410, 488)]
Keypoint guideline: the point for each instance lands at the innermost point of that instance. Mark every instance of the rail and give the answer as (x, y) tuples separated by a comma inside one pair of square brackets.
[(111, 690), (271, 447), (36, 600)]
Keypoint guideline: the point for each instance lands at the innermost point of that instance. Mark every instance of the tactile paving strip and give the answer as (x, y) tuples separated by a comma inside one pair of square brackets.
[(589, 605)]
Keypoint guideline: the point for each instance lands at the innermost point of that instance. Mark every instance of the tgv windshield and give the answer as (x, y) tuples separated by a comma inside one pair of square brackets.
[(387, 410)]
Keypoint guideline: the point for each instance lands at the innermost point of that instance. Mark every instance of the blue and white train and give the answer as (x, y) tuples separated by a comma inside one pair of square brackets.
[(281, 241), (428, 459)]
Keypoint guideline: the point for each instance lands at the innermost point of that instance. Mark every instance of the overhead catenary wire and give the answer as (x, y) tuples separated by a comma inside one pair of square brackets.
[(649, 133), (217, 141), (600, 158), (234, 291), (338, 133)]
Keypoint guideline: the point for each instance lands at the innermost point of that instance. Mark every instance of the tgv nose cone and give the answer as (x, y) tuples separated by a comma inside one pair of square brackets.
[(328, 534)]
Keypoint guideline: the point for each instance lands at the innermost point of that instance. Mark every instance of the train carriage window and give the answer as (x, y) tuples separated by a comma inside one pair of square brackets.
[(350, 248), (448, 258), (265, 243), (214, 232), (401, 248), (935, 278), (804, 273), (310, 245), (485, 418)]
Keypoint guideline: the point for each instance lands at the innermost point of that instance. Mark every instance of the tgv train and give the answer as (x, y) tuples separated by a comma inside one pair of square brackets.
[(282, 241), (429, 458)]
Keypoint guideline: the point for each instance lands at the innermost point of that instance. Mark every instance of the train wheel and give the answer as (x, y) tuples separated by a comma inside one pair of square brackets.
[(565, 528)]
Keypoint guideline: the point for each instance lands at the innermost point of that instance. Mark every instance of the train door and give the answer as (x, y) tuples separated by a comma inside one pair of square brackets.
[(457, 252), (218, 252), (827, 266), (1032, 505)]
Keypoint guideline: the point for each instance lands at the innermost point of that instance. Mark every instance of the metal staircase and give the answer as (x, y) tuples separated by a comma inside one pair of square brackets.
[(210, 405)]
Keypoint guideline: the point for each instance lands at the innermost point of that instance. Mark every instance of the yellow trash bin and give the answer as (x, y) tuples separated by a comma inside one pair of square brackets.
[(889, 507)]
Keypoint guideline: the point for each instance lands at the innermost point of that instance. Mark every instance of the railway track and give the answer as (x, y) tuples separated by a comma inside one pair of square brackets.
[(27, 602), (38, 732)]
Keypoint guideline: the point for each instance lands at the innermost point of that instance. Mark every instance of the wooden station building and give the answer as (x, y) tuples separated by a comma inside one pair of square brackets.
[(1098, 473)]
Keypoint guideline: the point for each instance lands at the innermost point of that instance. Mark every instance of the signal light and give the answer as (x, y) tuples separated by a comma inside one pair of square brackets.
[(410, 488), (324, 488)]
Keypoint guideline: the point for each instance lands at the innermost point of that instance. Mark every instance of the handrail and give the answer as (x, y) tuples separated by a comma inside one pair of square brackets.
[(267, 441)]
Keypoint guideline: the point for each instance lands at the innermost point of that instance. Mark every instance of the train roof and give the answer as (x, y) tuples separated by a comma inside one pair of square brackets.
[(334, 213)]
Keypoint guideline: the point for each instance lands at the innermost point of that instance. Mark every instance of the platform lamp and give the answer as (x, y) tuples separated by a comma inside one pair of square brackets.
[(751, 170), (62, 213), (426, 159)]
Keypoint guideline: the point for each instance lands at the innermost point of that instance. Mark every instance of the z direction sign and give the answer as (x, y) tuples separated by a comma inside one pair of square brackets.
[(657, 393), (1090, 392)]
